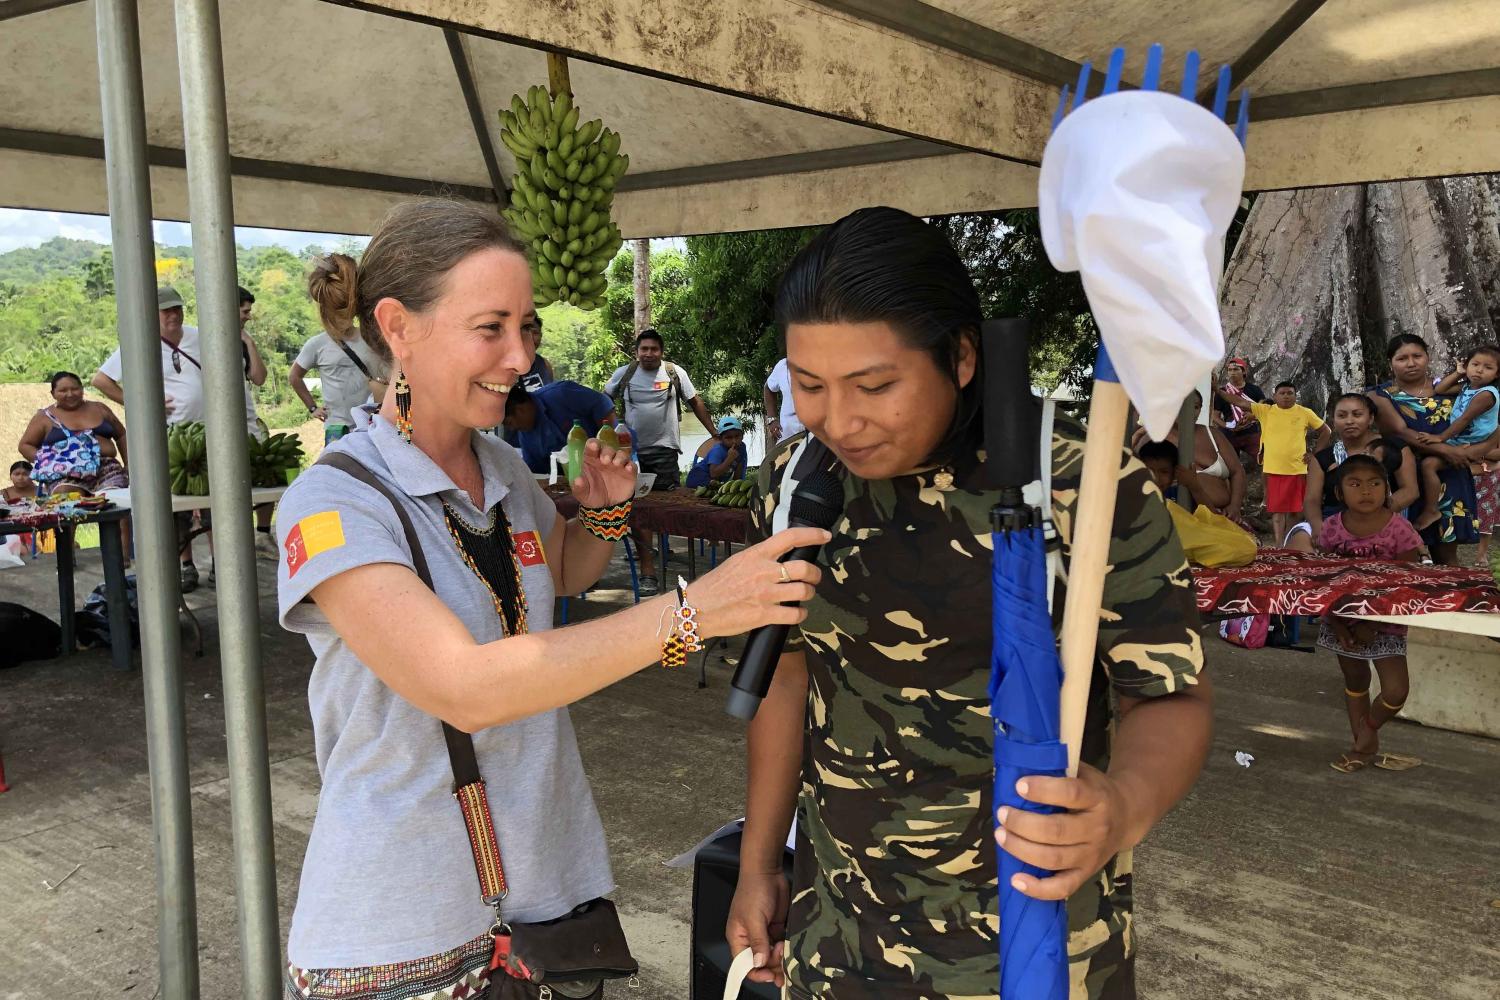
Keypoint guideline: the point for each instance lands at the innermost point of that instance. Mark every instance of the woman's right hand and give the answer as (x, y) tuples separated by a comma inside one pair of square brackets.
[(747, 590), (757, 920)]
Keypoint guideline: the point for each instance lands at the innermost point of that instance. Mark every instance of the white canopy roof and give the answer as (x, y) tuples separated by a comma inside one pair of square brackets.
[(738, 114)]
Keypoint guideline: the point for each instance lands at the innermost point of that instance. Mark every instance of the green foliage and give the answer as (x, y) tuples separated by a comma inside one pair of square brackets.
[(1004, 254), (713, 305), (31, 265), (567, 332), (57, 310), (728, 325)]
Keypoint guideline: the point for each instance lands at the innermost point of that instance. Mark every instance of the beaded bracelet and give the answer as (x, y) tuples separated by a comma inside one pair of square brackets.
[(606, 523), (682, 636)]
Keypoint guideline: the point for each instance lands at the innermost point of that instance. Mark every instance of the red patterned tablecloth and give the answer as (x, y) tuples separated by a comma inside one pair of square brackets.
[(674, 512), (1283, 582)]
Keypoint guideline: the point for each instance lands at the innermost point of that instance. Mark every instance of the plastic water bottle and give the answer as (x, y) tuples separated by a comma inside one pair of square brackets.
[(577, 438), (607, 437)]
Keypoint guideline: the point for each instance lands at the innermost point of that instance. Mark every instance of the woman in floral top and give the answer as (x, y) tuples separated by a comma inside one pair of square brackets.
[(1408, 407)]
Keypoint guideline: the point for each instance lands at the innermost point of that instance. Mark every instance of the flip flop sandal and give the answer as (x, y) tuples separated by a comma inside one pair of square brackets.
[(1348, 764), (1396, 762)]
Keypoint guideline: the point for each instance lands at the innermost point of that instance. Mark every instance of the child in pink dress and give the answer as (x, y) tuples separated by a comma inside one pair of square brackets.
[(1368, 529)]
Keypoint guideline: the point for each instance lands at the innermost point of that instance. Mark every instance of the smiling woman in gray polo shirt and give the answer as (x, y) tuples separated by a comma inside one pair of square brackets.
[(389, 904)]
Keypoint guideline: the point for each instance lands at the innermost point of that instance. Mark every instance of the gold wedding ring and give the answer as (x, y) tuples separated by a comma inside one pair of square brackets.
[(785, 577)]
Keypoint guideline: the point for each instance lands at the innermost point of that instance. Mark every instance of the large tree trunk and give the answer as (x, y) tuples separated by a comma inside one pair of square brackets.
[(1321, 278), (642, 252)]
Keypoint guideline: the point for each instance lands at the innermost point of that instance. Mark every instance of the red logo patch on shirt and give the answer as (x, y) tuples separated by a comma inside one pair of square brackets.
[(529, 549), (313, 534), (296, 552), (660, 386)]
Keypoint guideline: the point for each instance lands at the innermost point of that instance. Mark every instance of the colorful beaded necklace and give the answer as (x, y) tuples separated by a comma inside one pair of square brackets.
[(490, 553)]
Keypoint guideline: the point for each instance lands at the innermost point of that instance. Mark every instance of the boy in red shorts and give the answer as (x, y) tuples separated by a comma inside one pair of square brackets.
[(1284, 452)]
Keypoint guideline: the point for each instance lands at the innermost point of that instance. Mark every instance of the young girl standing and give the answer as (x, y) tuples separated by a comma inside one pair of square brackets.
[(1368, 529)]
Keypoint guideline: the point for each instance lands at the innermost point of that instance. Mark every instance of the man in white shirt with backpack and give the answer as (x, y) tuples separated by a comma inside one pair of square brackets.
[(648, 394)]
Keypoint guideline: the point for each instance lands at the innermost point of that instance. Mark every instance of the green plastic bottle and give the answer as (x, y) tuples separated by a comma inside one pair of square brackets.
[(607, 437), (577, 438)]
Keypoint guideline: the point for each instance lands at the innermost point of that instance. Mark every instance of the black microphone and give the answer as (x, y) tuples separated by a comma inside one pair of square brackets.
[(817, 502)]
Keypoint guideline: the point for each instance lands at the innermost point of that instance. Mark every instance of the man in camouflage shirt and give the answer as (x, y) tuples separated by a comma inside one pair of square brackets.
[(895, 889)]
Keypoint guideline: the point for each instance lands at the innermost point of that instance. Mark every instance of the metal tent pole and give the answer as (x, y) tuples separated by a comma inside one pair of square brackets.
[(205, 125), (129, 182)]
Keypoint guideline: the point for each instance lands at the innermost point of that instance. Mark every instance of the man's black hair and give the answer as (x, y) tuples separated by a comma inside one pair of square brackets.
[(1285, 385), (649, 334), (245, 296)]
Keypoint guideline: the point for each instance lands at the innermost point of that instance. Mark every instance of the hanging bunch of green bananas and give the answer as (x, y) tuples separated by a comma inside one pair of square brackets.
[(561, 195), (270, 459), (187, 459)]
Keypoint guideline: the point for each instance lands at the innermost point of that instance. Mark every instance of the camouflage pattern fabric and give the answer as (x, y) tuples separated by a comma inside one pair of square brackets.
[(895, 890)]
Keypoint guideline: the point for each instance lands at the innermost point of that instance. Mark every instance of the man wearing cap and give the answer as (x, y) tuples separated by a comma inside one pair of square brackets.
[(537, 421), (722, 459), (182, 386)]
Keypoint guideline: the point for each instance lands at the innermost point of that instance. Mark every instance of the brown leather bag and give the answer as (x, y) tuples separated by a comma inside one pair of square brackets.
[(567, 958)]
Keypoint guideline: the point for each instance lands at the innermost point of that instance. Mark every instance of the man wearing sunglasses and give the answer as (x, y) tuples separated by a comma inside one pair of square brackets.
[(182, 385)]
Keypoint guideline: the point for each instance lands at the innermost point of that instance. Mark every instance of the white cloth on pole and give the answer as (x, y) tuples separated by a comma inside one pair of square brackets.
[(1137, 191)]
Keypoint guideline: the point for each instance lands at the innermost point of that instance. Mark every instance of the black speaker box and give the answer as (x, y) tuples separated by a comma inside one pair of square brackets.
[(716, 871)]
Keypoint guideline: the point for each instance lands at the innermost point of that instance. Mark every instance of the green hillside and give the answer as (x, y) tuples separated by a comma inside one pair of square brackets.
[(30, 265)]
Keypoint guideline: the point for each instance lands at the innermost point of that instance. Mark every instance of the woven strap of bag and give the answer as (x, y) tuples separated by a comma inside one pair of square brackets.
[(468, 786)]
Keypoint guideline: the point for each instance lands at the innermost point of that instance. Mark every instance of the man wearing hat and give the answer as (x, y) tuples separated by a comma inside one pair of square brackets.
[(181, 367), (720, 459), (182, 386)]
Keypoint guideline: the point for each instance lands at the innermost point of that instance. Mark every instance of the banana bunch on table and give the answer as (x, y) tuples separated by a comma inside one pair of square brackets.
[(187, 459), (561, 195)]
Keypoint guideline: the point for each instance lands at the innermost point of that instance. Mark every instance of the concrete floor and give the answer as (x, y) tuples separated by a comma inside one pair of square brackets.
[(1283, 880)]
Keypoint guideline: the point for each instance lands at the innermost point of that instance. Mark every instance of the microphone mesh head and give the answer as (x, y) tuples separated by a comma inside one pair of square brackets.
[(818, 500)]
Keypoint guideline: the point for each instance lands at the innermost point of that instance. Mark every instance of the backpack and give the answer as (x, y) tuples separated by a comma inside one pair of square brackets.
[(630, 370), (91, 625), (26, 635)]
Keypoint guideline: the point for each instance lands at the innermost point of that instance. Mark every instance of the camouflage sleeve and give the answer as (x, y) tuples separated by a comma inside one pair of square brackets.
[(1148, 628), (763, 496)]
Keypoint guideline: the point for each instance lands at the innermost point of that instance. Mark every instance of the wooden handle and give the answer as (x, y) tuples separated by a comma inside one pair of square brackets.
[(557, 75), (1093, 523)]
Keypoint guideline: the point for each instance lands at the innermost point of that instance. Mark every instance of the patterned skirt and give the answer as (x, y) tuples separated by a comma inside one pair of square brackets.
[(460, 974), (110, 475), (1388, 642)]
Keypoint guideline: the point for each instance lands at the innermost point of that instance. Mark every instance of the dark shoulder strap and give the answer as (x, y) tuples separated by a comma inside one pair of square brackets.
[(676, 386), (353, 357), (351, 466), (460, 745), (622, 391)]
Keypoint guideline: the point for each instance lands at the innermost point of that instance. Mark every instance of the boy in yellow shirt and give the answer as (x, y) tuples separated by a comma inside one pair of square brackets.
[(1284, 452)]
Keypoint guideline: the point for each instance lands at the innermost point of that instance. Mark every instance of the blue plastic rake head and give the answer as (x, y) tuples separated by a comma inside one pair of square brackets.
[(1151, 81)]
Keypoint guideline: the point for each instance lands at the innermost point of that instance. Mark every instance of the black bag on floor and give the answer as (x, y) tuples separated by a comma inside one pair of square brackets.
[(26, 635), (91, 625)]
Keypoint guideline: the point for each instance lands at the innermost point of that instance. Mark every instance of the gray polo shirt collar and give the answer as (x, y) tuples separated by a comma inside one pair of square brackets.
[(418, 475)]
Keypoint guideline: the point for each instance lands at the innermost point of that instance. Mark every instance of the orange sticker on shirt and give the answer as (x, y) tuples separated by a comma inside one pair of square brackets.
[(529, 549), (313, 534), (659, 386)]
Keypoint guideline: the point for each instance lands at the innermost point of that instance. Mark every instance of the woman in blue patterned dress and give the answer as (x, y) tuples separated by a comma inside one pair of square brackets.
[(1407, 407)]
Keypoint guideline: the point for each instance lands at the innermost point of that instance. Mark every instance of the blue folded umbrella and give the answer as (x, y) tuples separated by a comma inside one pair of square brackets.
[(1025, 684)]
